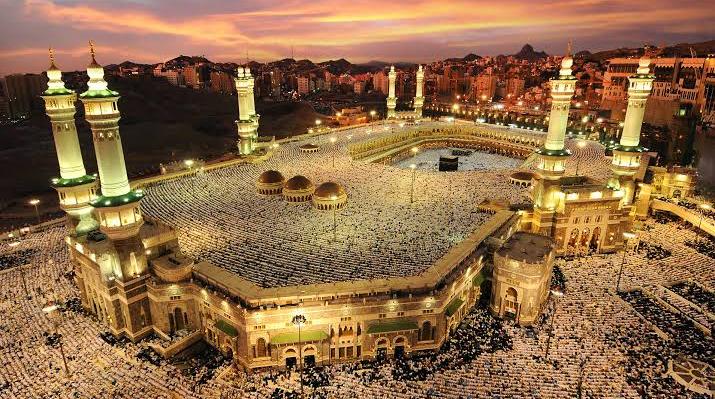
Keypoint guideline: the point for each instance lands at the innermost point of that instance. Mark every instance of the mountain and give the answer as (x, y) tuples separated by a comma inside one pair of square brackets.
[(527, 53), (337, 67), (471, 57), (186, 60)]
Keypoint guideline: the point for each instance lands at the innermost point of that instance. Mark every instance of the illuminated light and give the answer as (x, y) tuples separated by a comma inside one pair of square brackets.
[(318, 122), (584, 119), (628, 235), (34, 201), (571, 196), (333, 140), (707, 207), (599, 120), (189, 163), (414, 150), (596, 195), (619, 194), (148, 252), (412, 166)]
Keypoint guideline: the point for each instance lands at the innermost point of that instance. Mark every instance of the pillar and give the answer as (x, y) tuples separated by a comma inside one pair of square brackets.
[(75, 188), (419, 96), (627, 155), (391, 99), (247, 122)]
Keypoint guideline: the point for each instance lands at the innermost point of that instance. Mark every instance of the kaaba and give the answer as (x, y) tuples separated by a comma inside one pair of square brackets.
[(448, 164)]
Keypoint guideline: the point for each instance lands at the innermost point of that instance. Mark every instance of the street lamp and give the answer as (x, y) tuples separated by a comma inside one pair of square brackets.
[(580, 145), (558, 294), (333, 140), (627, 235), (372, 114), (299, 320), (334, 198), (51, 312), (704, 207), (189, 163), (412, 189), (34, 203)]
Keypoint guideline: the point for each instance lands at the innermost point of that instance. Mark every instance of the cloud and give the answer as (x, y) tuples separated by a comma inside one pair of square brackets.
[(365, 29)]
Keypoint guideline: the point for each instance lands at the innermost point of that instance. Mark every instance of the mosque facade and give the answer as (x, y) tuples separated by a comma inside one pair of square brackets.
[(134, 278)]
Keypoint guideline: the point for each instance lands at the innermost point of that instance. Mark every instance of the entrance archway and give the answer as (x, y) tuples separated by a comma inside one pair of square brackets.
[(178, 319), (595, 239), (511, 303), (573, 238)]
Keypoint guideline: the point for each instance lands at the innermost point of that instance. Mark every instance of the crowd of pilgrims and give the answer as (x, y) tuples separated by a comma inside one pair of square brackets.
[(380, 234), (701, 242), (600, 346)]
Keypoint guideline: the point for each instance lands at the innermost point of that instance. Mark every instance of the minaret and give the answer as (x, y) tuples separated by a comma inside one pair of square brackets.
[(75, 188), (122, 258), (627, 155), (117, 208), (419, 97), (247, 117), (552, 157), (391, 99)]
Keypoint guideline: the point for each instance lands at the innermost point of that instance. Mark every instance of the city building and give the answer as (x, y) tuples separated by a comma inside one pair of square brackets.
[(303, 84), (23, 93), (484, 87), (380, 82), (222, 82)]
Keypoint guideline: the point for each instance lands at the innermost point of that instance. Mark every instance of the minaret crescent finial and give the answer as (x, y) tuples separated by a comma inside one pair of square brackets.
[(52, 55), (569, 49), (91, 49)]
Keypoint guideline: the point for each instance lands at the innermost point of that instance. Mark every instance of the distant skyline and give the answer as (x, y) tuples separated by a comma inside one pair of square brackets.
[(147, 31)]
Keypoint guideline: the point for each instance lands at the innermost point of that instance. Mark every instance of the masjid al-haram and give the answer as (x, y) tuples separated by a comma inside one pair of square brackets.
[(412, 256)]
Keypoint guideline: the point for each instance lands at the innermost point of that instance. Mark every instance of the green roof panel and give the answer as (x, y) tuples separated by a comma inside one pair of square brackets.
[(292, 337), (391, 326), (226, 328), (453, 306)]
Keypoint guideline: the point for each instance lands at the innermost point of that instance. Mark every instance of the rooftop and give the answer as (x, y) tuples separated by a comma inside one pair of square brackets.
[(526, 247), (271, 243)]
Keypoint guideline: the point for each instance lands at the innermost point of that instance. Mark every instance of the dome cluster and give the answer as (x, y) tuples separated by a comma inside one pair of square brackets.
[(299, 188)]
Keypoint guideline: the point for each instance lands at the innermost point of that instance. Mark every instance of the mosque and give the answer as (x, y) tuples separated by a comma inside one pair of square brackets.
[(317, 249)]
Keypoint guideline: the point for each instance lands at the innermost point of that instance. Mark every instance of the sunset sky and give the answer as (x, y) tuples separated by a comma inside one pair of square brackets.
[(150, 31)]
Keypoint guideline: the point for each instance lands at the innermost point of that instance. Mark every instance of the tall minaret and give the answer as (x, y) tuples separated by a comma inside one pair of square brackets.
[(247, 117), (75, 188), (391, 99), (627, 155), (419, 97), (122, 259), (118, 206), (552, 157)]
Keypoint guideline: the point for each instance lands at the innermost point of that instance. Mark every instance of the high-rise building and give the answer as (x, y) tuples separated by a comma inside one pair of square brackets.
[(191, 76), (359, 87), (380, 82), (23, 93), (303, 83), (514, 87), (485, 86), (222, 82)]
